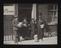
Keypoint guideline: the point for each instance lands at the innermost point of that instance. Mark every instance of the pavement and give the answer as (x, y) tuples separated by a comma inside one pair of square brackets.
[(45, 41)]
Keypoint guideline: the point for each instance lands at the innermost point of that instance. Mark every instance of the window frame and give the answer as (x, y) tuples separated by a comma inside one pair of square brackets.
[(54, 16)]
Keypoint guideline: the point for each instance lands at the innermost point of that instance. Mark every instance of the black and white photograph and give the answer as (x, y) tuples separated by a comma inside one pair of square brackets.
[(30, 24)]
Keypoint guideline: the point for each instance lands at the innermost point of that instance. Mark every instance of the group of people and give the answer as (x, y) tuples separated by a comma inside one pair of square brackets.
[(36, 29)]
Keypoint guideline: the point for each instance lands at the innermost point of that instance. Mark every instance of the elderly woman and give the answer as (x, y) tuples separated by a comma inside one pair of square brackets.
[(19, 32), (22, 29)]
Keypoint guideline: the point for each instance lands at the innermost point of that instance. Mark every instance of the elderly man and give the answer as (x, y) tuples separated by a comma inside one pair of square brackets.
[(15, 22)]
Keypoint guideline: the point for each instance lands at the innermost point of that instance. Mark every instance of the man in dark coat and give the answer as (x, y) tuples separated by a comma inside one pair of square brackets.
[(40, 28), (32, 28)]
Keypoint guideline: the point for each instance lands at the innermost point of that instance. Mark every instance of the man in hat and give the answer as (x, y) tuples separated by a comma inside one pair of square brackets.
[(40, 27)]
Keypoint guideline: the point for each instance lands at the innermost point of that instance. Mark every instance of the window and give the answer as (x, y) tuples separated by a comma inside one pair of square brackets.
[(53, 12)]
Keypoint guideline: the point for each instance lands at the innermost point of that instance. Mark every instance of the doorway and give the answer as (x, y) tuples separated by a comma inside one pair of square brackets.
[(24, 11)]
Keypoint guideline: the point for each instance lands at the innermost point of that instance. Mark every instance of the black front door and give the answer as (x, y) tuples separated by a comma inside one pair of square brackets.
[(24, 11)]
